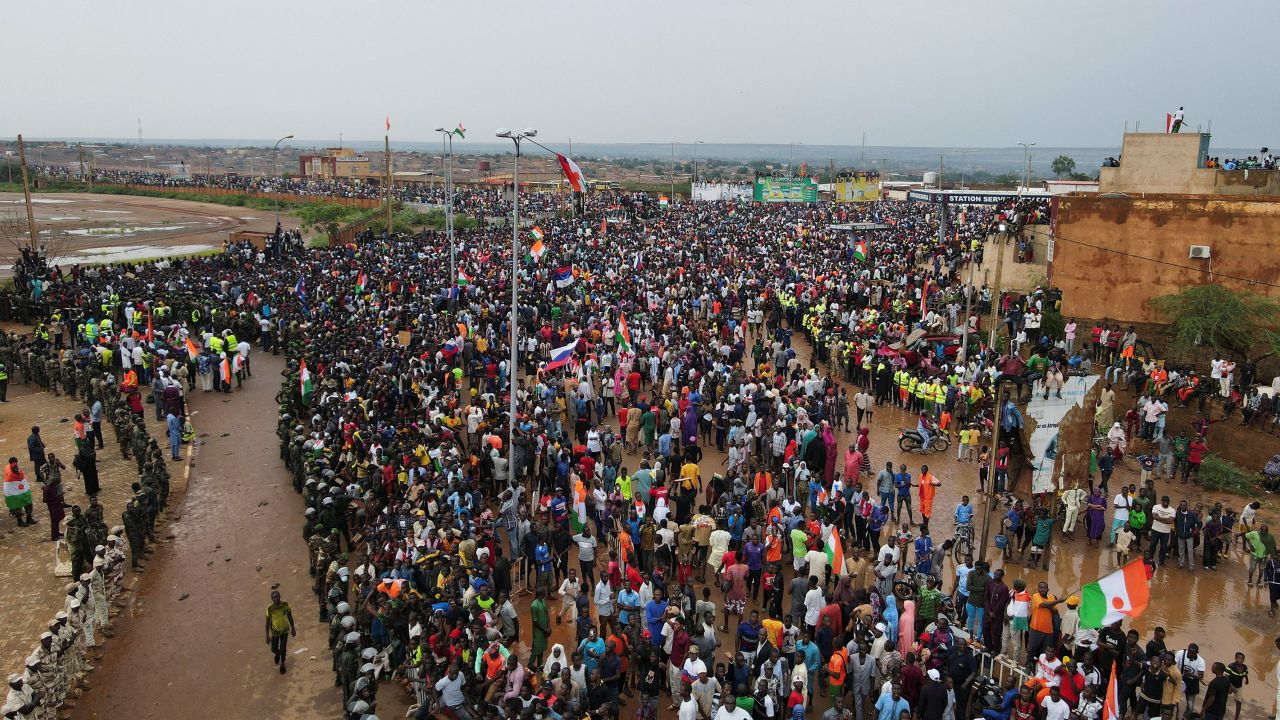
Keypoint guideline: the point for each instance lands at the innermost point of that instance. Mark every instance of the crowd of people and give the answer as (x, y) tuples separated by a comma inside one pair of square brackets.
[(647, 349)]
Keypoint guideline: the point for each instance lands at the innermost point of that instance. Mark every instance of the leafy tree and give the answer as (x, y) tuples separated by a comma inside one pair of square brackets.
[(1063, 165), (1236, 322)]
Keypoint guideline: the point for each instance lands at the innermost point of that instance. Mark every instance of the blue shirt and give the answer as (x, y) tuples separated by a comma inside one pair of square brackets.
[(902, 481), (889, 709), (809, 652), (654, 612), (627, 597), (964, 514)]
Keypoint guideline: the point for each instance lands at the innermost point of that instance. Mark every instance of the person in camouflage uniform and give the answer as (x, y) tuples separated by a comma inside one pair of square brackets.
[(135, 530)]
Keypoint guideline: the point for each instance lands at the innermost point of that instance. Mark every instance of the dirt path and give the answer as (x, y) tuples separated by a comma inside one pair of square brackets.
[(192, 637)]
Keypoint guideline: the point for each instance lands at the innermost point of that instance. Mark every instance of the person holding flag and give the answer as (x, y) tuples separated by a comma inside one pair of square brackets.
[(17, 493)]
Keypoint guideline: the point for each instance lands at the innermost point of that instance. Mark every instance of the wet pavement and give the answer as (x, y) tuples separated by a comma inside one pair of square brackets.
[(194, 638), (192, 643)]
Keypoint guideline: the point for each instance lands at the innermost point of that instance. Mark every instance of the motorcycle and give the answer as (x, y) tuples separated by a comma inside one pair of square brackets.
[(910, 441)]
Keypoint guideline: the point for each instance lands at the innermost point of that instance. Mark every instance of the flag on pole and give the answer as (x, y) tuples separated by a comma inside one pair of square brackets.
[(572, 173), (388, 123), (226, 371), (860, 251), (623, 336), (564, 277), (192, 350), (835, 553), (1168, 122), (1111, 703), (304, 381), (538, 248), (460, 131), (561, 356), (663, 201), (1120, 595)]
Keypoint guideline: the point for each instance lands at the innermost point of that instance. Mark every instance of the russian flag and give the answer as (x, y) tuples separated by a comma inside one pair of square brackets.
[(561, 356), (564, 277), (450, 348)]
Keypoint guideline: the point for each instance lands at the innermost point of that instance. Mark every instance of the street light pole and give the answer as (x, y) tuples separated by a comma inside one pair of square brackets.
[(673, 173), (513, 370), (447, 141), (276, 169), (1026, 161)]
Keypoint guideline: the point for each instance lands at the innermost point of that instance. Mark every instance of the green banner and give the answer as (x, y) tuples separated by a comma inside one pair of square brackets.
[(786, 190)]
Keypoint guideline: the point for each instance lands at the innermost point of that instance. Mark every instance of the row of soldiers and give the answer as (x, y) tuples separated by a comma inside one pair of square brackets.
[(56, 671), (326, 526)]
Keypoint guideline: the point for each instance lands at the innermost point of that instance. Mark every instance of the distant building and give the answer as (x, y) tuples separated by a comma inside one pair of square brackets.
[(1163, 221), (334, 163)]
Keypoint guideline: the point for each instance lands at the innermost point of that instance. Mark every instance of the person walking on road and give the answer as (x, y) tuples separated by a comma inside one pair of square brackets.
[(279, 628), (173, 425)]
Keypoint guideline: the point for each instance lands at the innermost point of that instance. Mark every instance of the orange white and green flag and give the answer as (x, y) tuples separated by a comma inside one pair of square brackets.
[(835, 553), (1122, 595), (623, 334)]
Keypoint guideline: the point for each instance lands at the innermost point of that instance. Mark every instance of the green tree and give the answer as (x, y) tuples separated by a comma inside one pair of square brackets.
[(1236, 322), (1063, 165)]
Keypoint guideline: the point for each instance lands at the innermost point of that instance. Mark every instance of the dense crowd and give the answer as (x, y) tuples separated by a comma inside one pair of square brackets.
[(646, 349)]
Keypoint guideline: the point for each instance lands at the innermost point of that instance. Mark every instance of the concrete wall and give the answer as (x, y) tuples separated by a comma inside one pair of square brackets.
[(1101, 242), (1167, 163)]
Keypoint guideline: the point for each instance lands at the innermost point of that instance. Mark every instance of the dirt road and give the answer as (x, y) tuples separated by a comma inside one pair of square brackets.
[(191, 642)]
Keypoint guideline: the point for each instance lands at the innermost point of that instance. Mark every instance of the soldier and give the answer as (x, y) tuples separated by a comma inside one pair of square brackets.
[(35, 678), (50, 675), (22, 697), (146, 499), (68, 663), (95, 527), (115, 565), (138, 442), (349, 666), (88, 615), (98, 591), (53, 372), (123, 429), (135, 530), (74, 534)]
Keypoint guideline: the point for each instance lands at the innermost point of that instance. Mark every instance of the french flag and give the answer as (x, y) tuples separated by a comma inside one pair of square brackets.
[(561, 356), (564, 277)]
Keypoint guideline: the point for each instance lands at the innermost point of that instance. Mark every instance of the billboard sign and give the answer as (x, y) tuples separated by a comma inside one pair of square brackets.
[(861, 187), (772, 189), (1049, 440)]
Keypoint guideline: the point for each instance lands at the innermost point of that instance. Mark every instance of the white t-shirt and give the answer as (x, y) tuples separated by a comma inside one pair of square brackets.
[(734, 713), (813, 604), (1161, 517), (1121, 504), (1056, 709), (688, 710)]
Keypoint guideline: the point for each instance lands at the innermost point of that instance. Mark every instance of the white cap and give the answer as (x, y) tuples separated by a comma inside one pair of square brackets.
[(934, 675)]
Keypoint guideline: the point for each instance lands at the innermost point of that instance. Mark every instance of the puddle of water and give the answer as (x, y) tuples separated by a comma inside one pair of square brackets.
[(39, 201), (120, 253), (120, 232), (113, 212)]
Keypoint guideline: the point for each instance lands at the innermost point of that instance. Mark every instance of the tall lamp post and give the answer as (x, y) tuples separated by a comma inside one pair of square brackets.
[(447, 142), (694, 180), (1026, 162), (673, 174), (513, 370), (276, 169)]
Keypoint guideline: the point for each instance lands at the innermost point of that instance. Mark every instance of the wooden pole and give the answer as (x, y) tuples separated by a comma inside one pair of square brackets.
[(26, 194)]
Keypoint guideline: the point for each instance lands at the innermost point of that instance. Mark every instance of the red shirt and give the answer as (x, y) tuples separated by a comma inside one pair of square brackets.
[(1195, 451)]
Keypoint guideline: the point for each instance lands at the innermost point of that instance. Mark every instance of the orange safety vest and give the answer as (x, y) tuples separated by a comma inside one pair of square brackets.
[(492, 665)]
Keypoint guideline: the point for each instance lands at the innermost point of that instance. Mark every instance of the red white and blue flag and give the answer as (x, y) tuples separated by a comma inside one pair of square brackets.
[(561, 356), (572, 173), (564, 277)]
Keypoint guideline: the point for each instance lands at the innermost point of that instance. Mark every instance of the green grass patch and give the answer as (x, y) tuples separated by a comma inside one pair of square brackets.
[(1225, 476)]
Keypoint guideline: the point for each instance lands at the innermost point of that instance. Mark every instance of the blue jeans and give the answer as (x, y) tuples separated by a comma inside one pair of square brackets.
[(975, 621), (886, 499)]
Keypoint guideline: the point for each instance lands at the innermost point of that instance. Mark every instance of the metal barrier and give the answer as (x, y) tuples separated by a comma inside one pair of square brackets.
[(1000, 667)]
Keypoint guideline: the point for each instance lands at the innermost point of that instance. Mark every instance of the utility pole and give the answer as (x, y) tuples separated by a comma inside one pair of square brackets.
[(991, 484), (995, 292), (386, 139), (26, 194)]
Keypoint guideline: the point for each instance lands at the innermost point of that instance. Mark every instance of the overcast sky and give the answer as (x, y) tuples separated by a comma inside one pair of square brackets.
[(924, 73)]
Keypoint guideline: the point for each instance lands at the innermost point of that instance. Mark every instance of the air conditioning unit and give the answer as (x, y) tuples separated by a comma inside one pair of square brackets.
[(1200, 251)]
